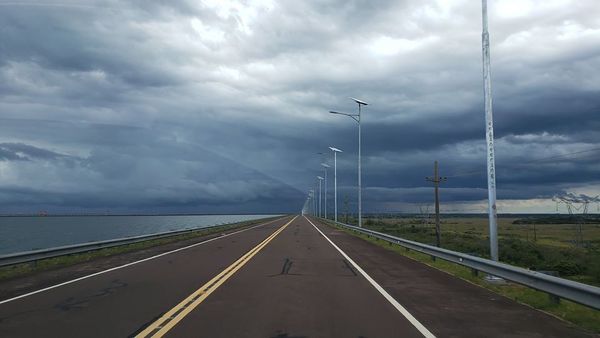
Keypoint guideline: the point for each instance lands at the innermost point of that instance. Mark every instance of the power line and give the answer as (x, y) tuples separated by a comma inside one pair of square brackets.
[(561, 156)]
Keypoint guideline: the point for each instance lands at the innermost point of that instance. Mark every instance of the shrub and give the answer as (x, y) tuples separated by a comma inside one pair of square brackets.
[(568, 268)]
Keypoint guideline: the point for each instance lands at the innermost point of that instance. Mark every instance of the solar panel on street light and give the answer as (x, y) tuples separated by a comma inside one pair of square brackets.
[(359, 101)]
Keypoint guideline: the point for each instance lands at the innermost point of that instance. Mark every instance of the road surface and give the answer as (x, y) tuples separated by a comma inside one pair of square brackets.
[(292, 277)]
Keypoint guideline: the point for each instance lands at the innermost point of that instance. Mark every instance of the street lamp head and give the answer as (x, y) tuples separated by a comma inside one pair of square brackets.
[(335, 149), (320, 178), (325, 165), (360, 102), (338, 113), (355, 117)]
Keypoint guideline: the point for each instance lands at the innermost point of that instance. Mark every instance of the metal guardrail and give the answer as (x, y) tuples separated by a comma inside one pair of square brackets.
[(577, 292), (34, 255)]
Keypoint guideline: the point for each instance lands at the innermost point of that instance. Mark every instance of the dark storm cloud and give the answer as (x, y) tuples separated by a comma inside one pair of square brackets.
[(25, 152), (138, 172), (222, 106)]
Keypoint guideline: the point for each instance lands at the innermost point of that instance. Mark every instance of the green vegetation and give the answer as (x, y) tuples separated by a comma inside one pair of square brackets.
[(62, 261), (469, 235), (522, 242)]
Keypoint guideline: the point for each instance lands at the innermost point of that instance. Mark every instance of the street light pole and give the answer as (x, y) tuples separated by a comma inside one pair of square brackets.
[(305, 207), (320, 203), (325, 166), (311, 194), (315, 201), (335, 151), (356, 117), (325, 195)]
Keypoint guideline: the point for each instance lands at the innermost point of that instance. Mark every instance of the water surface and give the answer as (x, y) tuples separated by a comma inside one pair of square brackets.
[(31, 233)]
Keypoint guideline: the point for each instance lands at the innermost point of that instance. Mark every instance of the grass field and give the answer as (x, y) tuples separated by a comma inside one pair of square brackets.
[(522, 241)]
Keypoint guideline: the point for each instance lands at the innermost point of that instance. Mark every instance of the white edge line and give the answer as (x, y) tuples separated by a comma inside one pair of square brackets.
[(424, 331), (132, 263)]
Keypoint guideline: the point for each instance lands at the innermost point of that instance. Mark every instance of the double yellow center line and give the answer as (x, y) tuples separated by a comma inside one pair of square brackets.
[(165, 323)]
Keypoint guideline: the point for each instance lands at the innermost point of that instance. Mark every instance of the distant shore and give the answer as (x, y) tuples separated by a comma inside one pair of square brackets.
[(139, 214)]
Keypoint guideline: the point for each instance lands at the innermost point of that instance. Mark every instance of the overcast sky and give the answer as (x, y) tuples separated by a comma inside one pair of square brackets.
[(221, 106)]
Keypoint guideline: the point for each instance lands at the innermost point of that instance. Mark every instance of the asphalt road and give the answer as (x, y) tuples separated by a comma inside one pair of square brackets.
[(281, 279), (121, 302)]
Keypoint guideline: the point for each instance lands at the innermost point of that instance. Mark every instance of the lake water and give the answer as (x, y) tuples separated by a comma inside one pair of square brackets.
[(32, 233)]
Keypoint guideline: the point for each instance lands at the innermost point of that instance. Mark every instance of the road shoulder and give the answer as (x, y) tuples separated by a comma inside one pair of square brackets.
[(448, 305)]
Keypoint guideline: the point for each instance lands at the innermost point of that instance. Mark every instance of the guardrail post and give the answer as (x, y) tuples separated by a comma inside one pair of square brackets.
[(554, 299), (474, 272)]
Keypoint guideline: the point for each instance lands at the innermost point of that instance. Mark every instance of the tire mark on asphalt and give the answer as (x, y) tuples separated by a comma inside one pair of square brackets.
[(287, 264), (349, 267), (73, 303)]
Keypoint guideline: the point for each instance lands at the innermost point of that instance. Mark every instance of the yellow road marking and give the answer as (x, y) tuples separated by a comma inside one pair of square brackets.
[(161, 326)]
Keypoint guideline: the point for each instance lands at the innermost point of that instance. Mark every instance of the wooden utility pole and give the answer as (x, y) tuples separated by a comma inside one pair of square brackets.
[(436, 179)]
